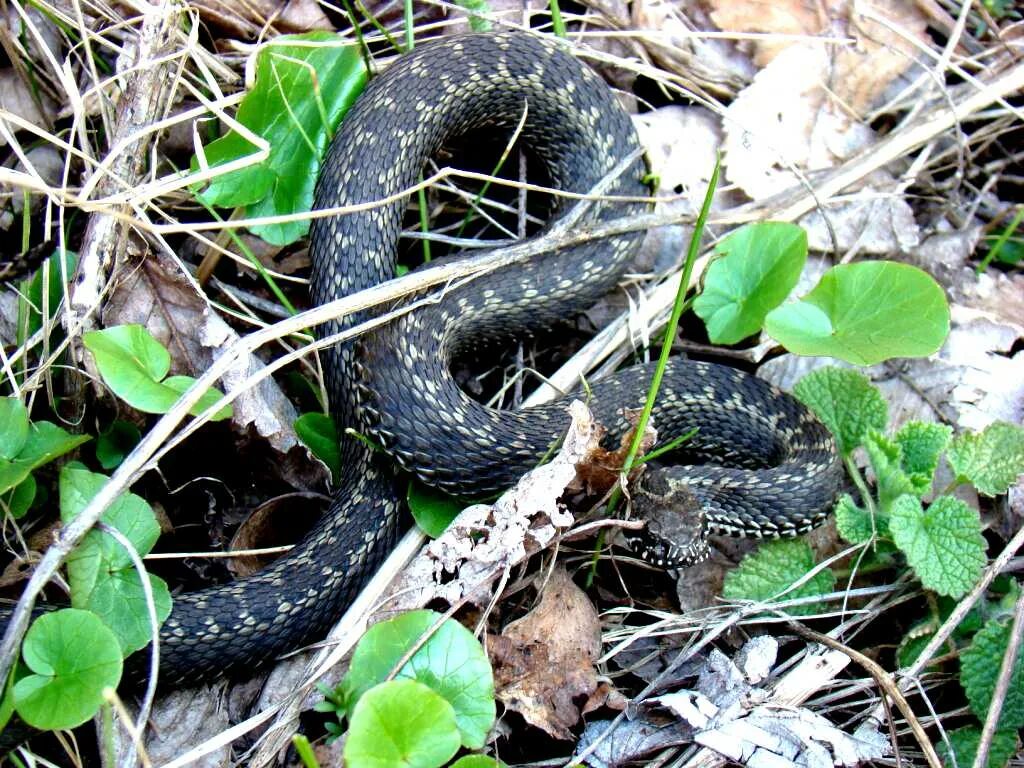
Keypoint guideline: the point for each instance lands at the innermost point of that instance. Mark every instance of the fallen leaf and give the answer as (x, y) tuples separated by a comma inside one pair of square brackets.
[(544, 662), (276, 522), (18, 99), (631, 741)]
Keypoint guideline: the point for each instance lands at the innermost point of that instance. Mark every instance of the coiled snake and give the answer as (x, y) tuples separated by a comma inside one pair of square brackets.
[(396, 385)]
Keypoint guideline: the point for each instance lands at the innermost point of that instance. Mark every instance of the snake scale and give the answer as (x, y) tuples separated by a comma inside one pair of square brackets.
[(778, 473)]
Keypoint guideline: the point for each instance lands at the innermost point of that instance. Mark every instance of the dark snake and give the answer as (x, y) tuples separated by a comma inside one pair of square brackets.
[(778, 471)]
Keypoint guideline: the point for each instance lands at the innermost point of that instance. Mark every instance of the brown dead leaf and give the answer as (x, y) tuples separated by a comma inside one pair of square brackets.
[(601, 469), (248, 20), (276, 522), (544, 662), (859, 74)]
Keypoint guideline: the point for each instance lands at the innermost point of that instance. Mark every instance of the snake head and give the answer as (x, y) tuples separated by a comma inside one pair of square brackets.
[(676, 532)]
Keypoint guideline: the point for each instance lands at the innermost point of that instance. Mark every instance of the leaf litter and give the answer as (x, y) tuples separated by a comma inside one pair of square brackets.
[(791, 93)]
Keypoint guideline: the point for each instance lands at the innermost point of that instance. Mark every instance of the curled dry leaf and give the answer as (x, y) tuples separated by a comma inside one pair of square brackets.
[(631, 741), (485, 540), (544, 662), (276, 522)]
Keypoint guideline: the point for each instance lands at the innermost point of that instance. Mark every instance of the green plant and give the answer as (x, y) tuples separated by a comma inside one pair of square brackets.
[(135, 366), (860, 313), (418, 688), (904, 521), (304, 85), (25, 446)]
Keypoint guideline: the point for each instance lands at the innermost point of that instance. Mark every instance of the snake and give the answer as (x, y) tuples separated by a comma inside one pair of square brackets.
[(769, 467)]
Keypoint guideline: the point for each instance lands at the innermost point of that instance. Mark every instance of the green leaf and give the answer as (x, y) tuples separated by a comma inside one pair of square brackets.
[(887, 461), (854, 523), (181, 384), (865, 313), (965, 746), (979, 668), (17, 501), (432, 509), (73, 658), (401, 724), (943, 543), (922, 444), (991, 460), (319, 433), (102, 575), (304, 85), (845, 401), (13, 427), (773, 568), (45, 443), (30, 309), (477, 761), (758, 267), (116, 443), (133, 364), (450, 661)]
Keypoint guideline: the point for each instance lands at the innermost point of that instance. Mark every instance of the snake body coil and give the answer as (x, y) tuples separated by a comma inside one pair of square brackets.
[(397, 384)]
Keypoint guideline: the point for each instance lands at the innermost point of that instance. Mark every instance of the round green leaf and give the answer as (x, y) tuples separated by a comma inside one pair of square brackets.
[(760, 265), (116, 442), (865, 313), (943, 543), (401, 724), (180, 384), (73, 657), (477, 761), (320, 434), (772, 569), (980, 664), (18, 500), (451, 662), (432, 509), (13, 427)]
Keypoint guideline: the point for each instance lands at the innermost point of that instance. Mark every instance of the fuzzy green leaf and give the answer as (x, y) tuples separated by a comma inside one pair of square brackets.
[(773, 568), (943, 543), (73, 657), (887, 461), (865, 313), (845, 401), (979, 668), (451, 662), (401, 724), (991, 460), (304, 85), (854, 523), (759, 264), (922, 443), (965, 743)]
